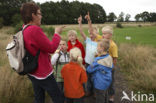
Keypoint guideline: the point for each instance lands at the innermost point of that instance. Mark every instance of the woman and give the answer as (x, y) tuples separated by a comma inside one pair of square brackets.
[(34, 39)]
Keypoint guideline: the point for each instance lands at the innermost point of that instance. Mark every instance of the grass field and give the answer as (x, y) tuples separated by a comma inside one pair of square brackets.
[(139, 35), (145, 35)]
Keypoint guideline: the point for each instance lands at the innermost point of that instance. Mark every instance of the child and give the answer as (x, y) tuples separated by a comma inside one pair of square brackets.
[(101, 71), (74, 76), (74, 42), (91, 45), (107, 32), (58, 60)]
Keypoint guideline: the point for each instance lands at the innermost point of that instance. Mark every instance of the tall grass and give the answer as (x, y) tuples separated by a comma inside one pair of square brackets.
[(138, 64), (13, 88)]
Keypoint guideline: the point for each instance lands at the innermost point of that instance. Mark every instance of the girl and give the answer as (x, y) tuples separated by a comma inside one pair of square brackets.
[(74, 76)]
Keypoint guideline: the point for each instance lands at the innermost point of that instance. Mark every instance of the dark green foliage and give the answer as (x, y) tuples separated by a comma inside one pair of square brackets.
[(8, 8), (15, 19), (66, 12), (119, 25), (111, 17), (146, 17), (63, 12), (1, 22), (48, 30), (18, 27)]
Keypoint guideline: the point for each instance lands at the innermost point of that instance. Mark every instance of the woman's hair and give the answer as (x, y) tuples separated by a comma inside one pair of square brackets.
[(75, 56), (72, 32), (105, 43), (26, 11)]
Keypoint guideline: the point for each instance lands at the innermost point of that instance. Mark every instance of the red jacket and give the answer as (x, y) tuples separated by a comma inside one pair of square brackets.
[(78, 45), (74, 76), (34, 40)]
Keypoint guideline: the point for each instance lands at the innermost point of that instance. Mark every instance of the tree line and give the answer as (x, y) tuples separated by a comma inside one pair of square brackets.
[(65, 12)]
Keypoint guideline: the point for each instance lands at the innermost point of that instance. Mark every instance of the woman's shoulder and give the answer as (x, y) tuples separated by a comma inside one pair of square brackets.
[(34, 27)]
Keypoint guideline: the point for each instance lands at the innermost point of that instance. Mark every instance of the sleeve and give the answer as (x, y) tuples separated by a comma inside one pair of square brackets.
[(44, 43), (87, 40), (54, 58), (115, 51), (83, 77), (92, 68)]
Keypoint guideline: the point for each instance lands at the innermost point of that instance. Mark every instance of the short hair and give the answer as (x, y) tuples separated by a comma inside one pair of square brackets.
[(26, 11), (72, 32), (105, 43), (95, 28), (63, 40), (107, 29)]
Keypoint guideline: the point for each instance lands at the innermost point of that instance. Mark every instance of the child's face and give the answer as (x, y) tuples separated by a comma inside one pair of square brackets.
[(72, 37), (63, 46), (106, 35), (99, 49), (92, 36)]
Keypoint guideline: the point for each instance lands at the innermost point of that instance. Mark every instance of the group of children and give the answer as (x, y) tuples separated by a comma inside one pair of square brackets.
[(79, 72)]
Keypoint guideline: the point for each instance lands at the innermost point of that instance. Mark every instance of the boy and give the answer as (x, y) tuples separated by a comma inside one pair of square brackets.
[(101, 71), (74, 42), (107, 32), (91, 45), (58, 60)]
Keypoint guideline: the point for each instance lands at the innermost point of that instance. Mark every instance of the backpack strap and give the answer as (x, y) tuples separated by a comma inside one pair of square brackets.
[(25, 26), (58, 62)]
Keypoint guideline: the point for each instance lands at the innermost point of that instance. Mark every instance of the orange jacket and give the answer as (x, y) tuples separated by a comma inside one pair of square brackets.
[(74, 76)]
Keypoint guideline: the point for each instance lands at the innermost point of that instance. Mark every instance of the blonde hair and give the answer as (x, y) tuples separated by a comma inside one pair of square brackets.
[(95, 28), (76, 56), (72, 32), (105, 43), (107, 29)]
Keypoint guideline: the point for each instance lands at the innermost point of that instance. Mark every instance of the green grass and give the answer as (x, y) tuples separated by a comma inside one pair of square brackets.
[(139, 35)]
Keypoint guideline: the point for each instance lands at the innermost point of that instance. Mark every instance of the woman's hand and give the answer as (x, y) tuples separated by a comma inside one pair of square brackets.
[(58, 30)]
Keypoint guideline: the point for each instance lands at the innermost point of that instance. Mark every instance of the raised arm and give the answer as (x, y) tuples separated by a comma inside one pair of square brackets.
[(87, 17), (80, 28)]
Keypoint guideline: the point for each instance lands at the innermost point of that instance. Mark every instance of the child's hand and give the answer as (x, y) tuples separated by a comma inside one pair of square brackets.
[(80, 19), (87, 17)]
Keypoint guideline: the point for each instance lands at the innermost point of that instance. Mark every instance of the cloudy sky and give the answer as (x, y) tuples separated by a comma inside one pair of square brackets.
[(131, 7)]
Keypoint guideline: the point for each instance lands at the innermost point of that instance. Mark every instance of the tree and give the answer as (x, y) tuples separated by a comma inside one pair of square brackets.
[(111, 17), (145, 16), (121, 17), (128, 16), (8, 8), (137, 17), (152, 17)]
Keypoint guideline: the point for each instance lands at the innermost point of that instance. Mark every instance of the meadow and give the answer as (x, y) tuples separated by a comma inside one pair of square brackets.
[(136, 60)]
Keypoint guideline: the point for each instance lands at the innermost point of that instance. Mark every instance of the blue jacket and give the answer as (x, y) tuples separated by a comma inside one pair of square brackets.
[(101, 72)]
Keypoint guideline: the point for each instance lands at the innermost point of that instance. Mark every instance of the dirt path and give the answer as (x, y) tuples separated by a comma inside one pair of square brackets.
[(120, 86)]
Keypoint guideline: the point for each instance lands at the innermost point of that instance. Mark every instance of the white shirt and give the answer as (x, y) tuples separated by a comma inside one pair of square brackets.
[(91, 49)]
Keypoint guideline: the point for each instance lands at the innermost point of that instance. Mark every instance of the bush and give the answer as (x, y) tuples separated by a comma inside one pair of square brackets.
[(119, 25), (139, 25), (1, 22), (49, 31), (18, 27), (15, 19)]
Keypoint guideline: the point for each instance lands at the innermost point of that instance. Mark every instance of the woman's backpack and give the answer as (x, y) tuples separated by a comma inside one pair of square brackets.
[(19, 58)]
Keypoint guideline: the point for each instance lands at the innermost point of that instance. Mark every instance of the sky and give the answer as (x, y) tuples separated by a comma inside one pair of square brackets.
[(131, 7)]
